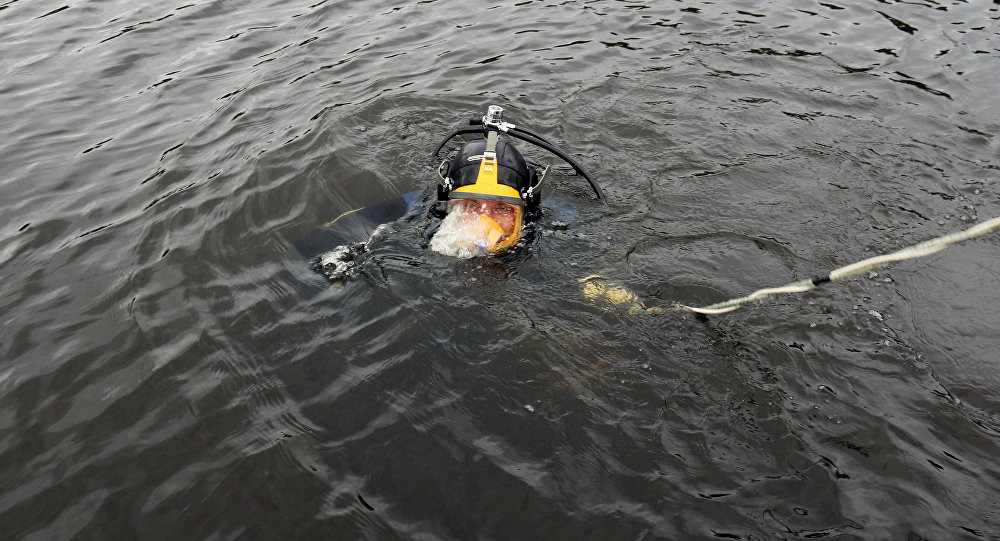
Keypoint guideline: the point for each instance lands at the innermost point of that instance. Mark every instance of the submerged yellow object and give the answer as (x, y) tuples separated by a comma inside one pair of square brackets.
[(611, 295)]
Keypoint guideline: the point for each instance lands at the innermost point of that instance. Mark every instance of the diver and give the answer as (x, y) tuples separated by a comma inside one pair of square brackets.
[(485, 194)]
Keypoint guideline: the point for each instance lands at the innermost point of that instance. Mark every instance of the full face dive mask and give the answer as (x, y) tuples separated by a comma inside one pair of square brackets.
[(489, 178)]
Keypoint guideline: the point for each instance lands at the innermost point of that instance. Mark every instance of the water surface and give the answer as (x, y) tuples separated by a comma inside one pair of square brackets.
[(171, 367)]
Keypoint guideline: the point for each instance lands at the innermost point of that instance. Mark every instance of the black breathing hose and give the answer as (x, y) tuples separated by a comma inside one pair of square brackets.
[(527, 137), (558, 152), (530, 134), (460, 131)]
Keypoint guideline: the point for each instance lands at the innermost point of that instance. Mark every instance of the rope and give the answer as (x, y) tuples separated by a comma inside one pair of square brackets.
[(328, 224), (918, 250)]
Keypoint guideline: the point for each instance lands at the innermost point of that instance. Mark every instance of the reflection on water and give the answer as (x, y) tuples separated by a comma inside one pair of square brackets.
[(172, 366)]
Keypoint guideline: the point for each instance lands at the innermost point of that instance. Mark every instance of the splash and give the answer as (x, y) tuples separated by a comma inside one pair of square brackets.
[(465, 235), (342, 262)]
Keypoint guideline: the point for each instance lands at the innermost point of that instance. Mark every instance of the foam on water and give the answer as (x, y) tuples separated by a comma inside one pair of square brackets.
[(341, 262), (460, 235)]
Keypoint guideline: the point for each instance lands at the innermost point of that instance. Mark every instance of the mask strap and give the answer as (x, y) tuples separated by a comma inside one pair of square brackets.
[(491, 145)]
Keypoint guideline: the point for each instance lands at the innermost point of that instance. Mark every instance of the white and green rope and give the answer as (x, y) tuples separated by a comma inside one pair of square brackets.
[(912, 252)]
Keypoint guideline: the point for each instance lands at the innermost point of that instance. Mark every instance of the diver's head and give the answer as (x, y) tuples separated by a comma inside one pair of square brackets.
[(485, 190), (492, 170)]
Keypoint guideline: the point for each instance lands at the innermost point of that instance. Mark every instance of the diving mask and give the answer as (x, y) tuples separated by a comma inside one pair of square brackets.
[(497, 224), (475, 226)]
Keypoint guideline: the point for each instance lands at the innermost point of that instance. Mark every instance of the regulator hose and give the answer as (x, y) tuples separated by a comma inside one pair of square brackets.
[(530, 134), (460, 131), (527, 137), (558, 152)]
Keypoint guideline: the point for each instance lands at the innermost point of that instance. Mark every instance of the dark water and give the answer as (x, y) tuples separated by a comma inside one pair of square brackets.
[(170, 368)]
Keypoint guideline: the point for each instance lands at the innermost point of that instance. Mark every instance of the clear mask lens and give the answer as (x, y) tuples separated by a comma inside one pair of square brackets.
[(474, 226)]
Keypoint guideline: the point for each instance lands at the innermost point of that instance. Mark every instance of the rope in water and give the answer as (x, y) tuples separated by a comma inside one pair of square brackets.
[(917, 250), (330, 223)]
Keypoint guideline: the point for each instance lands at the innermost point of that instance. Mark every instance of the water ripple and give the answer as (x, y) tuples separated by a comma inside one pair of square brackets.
[(172, 364)]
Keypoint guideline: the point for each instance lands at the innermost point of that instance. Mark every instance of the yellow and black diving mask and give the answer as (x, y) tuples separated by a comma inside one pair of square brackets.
[(482, 194), (489, 176)]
